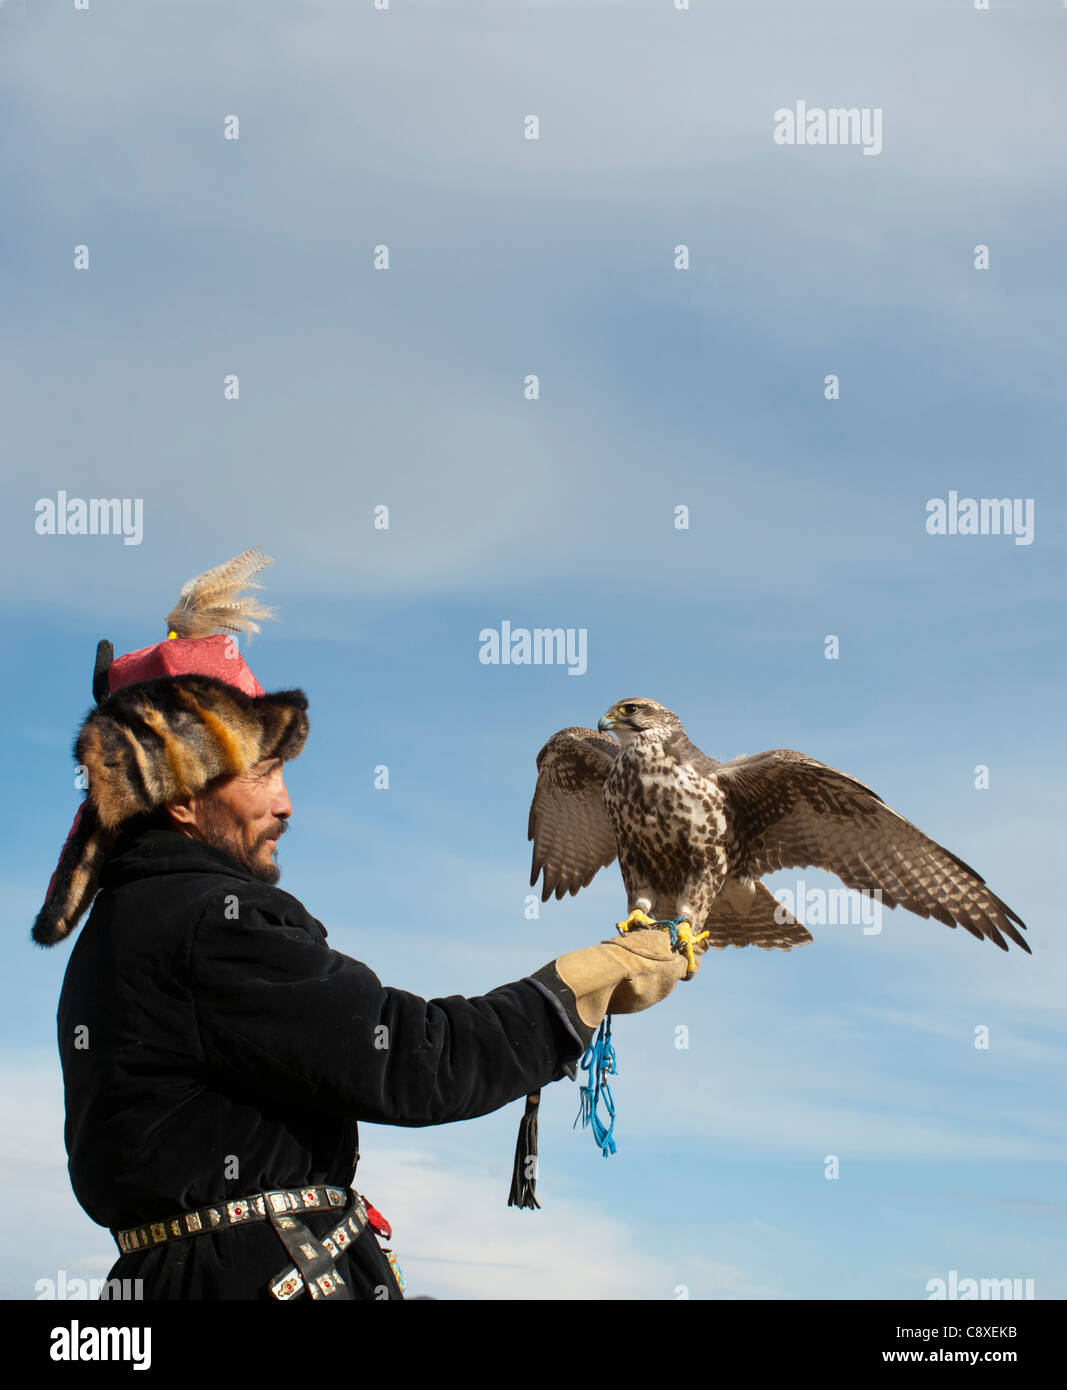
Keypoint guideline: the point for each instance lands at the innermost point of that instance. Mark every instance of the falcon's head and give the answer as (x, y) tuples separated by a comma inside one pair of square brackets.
[(629, 718)]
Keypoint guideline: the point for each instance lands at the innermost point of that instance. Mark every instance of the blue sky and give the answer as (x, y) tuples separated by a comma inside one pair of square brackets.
[(659, 388)]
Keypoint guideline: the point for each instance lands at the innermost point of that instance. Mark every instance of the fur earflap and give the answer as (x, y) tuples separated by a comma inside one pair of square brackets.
[(73, 884)]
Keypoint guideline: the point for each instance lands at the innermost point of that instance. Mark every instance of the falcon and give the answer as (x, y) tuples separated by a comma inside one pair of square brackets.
[(694, 836)]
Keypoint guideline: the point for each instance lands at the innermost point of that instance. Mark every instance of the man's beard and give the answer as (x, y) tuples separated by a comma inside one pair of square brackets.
[(218, 830)]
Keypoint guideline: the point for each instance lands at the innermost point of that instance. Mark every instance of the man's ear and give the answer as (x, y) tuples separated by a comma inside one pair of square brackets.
[(181, 813)]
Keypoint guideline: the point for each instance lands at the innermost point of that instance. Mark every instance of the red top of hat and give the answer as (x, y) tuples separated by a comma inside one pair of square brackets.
[(185, 656)]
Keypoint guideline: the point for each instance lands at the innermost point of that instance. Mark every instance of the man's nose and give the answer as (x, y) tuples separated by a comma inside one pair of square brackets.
[(280, 805)]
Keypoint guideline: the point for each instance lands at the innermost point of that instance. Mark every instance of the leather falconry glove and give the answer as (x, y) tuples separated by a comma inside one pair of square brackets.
[(622, 976), (625, 975)]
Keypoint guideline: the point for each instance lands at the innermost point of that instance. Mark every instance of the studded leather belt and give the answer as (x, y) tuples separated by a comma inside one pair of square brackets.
[(313, 1256), (222, 1215)]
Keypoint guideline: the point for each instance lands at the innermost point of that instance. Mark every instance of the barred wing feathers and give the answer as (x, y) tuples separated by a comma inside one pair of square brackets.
[(788, 811), (570, 827)]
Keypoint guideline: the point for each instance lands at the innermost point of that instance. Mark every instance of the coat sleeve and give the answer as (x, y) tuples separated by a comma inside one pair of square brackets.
[(282, 1014)]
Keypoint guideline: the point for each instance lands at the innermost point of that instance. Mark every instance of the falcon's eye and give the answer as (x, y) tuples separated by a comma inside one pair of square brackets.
[(627, 709)]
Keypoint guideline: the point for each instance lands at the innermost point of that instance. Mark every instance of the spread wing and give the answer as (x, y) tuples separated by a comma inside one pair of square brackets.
[(572, 832), (788, 811)]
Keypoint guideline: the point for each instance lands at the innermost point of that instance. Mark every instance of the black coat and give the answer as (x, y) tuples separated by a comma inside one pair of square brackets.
[(205, 1025)]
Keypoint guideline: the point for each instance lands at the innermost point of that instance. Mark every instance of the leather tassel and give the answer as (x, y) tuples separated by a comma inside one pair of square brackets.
[(524, 1173)]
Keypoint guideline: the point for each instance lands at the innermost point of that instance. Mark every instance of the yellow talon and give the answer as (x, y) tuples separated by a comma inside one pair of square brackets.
[(688, 939), (636, 918)]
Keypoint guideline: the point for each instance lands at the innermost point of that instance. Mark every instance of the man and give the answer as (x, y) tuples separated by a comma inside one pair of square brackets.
[(217, 1054)]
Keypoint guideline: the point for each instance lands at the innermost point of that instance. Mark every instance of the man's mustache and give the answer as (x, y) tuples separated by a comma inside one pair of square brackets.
[(274, 834)]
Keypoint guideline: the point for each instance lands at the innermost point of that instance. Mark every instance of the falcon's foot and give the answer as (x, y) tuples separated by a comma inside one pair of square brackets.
[(637, 918), (684, 939)]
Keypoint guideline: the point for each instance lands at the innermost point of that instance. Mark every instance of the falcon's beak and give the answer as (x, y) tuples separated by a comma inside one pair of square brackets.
[(606, 724)]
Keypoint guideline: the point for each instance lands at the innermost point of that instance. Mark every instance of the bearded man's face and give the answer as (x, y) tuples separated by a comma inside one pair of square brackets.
[(245, 816)]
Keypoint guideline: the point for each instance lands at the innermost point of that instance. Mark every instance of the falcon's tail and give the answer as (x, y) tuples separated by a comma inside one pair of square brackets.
[(740, 917)]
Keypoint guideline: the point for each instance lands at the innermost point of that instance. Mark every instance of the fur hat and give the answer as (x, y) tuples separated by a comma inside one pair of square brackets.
[(169, 719)]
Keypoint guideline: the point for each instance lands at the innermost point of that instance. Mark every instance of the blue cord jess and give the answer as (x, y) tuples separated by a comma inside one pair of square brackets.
[(599, 1062)]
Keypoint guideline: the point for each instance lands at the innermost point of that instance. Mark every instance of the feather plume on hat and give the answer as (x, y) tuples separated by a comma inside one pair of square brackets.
[(169, 719), (210, 603)]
